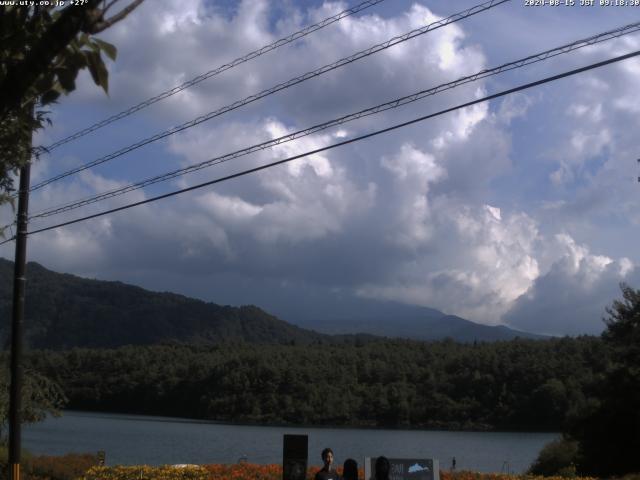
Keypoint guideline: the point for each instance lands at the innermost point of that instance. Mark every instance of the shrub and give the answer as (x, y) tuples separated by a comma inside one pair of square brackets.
[(66, 467), (557, 458), (4, 459)]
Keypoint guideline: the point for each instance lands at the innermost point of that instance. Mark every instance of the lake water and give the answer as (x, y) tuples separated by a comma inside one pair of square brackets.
[(138, 439)]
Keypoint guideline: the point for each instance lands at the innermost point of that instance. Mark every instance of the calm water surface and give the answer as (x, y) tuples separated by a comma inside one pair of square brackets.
[(138, 439)]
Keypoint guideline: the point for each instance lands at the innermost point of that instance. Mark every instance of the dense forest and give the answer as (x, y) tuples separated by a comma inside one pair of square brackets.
[(65, 311), (514, 385)]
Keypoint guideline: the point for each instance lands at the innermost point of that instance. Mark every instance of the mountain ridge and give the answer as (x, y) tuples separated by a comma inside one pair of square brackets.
[(65, 311), (427, 328)]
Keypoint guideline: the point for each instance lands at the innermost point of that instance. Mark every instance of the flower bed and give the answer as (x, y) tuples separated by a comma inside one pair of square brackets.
[(239, 471), (249, 471)]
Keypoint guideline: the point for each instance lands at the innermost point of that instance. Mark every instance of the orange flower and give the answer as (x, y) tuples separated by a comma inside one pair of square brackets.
[(249, 471)]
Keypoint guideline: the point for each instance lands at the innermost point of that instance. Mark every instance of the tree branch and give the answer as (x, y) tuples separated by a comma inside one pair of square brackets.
[(108, 5), (103, 25)]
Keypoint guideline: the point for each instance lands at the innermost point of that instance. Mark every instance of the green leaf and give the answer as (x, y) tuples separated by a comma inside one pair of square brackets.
[(110, 50), (67, 78), (76, 60), (44, 82), (103, 73), (92, 64), (49, 97), (93, 46), (98, 70)]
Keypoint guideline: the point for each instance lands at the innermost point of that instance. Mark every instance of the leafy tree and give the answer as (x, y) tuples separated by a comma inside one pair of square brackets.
[(609, 431), (556, 459), (40, 397), (42, 49), (395, 383), (549, 403)]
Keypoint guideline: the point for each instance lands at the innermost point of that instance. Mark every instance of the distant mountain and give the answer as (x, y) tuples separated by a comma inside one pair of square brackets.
[(391, 319), (64, 311)]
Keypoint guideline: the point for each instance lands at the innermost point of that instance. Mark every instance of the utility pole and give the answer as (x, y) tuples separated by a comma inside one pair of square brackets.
[(19, 284)]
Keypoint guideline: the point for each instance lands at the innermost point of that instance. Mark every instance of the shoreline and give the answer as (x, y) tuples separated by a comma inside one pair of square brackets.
[(173, 419)]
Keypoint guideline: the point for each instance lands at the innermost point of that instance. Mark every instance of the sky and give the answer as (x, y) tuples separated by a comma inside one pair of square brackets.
[(521, 211)]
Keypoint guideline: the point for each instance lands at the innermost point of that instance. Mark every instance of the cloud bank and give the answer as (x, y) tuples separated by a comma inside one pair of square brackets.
[(520, 211)]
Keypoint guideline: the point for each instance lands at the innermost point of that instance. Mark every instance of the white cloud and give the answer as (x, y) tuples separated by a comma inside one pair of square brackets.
[(571, 297), (413, 170), (482, 262), (444, 213), (514, 106)]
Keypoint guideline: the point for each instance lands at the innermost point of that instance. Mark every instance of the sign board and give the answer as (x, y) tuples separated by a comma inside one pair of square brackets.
[(295, 455), (405, 468)]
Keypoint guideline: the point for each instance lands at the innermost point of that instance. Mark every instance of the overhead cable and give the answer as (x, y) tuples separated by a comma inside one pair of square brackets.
[(342, 143), (294, 81), (611, 34), (211, 73)]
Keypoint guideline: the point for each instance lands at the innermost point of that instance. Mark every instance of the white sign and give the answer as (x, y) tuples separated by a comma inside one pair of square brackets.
[(405, 468)]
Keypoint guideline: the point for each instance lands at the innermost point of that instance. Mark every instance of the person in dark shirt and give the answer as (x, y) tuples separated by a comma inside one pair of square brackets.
[(350, 469), (327, 472), (383, 467)]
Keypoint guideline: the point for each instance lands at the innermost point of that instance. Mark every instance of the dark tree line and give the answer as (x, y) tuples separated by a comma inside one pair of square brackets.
[(519, 385), (602, 437), (608, 430)]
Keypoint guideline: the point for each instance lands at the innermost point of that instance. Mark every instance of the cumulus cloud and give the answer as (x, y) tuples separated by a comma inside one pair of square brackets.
[(514, 106), (491, 212), (482, 261), (572, 296), (413, 171), (597, 105)]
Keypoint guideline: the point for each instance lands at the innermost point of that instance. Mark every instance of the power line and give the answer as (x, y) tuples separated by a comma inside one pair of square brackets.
[(345, 142), (294, 81), (211, 73), (618, 32)]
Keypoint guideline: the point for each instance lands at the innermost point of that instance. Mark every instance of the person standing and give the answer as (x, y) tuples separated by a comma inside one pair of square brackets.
[(328, 471), (350, 469), (383, 468)]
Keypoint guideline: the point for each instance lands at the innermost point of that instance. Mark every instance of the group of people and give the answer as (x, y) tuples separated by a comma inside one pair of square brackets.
[(350, 468)]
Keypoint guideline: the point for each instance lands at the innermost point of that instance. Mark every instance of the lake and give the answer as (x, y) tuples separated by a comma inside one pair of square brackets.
[(138, 439)]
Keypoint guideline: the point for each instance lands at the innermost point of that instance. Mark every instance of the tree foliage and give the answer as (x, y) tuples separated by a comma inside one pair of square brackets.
[(556, 459), (608, 431), (42, 49), (40, 397), (389, 383), (66, 311)]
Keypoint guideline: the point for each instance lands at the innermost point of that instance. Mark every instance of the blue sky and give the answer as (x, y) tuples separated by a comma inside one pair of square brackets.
[(522, 211)]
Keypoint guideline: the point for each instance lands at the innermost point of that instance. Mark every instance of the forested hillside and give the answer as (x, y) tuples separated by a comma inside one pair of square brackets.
[(64, 311), (520, 384)]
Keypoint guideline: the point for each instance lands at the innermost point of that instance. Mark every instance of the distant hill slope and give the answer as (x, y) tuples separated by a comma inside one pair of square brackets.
[(64, 311), (392, 319)]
